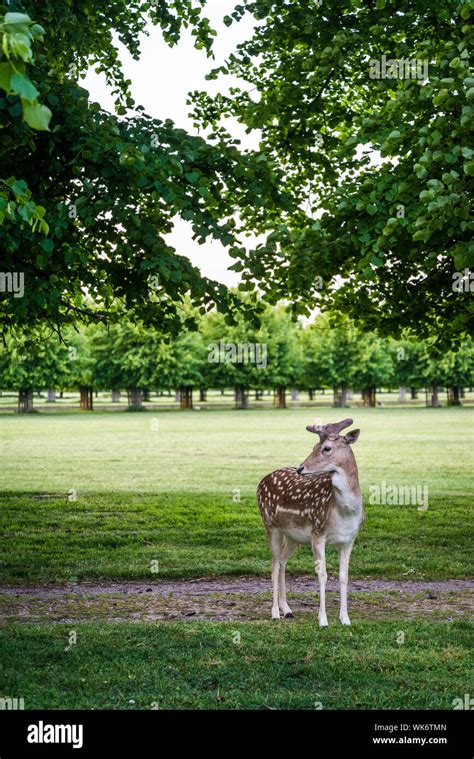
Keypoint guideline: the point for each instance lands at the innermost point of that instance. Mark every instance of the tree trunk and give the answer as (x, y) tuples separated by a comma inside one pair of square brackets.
[(432, 398), (115, 396), (369, 397), (86, 402), (51, 395), (414, 393), (25, 400), (134, 398), (61, 394), (311, 394), (453, 396), (279, 397), (241, 397), (146, 394), (402, 393), (340, 397), (258, 395), (202, 394), (186, 396), (462, 392)]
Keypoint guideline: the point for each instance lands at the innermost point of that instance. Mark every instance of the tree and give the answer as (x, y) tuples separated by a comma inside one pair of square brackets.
[(107, 363), (26, 365), (189, 355), (373, 368), (380, 243), (344, 353), (406, 358), (283, 353), (173, 363), (18, 35), (459, 371), (236, 357), (117, 358), (81, 366), (316, 359), (107, 187)]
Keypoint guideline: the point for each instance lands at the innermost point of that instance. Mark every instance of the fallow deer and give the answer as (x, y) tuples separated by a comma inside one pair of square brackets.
[(318, 503)]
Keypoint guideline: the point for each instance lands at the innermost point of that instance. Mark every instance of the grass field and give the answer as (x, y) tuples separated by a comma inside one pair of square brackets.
[(194, 665), (174, 492)]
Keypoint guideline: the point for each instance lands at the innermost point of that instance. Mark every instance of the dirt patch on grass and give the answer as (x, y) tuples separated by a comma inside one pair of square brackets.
[(237, 599)]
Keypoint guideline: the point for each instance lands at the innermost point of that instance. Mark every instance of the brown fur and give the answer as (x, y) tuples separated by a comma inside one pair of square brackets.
[(308, 499)]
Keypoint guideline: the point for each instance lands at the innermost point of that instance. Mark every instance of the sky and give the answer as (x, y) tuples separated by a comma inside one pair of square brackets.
[(161, 81)]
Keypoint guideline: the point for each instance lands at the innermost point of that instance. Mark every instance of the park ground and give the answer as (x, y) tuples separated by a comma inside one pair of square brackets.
[(136, 569)]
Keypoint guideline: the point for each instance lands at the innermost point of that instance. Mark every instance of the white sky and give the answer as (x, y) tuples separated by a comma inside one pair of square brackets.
[(161, 81)]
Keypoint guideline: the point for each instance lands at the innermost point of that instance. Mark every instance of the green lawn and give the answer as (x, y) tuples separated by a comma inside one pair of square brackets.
[(171, 494), (202, 665), (164, 487)]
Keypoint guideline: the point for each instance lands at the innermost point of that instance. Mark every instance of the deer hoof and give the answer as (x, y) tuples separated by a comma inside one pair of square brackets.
[(345, 621), (289, 615), (323, 622)]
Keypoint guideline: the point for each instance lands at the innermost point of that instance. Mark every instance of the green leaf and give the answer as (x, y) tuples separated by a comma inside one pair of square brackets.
[(20, 188), (469, 168), (16, 18), (47, 245), (21, 46), (6, 71), (23, 87), (37, 116), (193, 177)]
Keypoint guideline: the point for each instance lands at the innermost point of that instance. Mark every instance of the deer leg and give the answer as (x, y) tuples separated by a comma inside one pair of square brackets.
[(344, 556), (275, 545), (318, 545), (289, 547)]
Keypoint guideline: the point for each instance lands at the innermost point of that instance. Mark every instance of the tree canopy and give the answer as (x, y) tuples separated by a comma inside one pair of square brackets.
[(330, 85), (362, 181), (104, 189)]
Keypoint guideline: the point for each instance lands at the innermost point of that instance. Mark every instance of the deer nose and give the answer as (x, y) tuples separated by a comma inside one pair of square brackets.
[(300, 469)]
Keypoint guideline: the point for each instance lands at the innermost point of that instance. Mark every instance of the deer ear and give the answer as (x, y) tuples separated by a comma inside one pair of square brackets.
[(351, 436)]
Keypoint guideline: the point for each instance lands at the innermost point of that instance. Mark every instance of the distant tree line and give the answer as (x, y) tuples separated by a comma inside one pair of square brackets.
[(279, 354)]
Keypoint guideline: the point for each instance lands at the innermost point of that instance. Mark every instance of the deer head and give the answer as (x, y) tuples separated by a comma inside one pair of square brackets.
[(333, 452)]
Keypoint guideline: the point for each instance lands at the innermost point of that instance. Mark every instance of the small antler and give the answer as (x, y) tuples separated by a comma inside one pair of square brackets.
[(326, 430)]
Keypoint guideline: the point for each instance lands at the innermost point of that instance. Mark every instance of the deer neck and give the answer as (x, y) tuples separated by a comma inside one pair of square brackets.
[(345, 482)]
